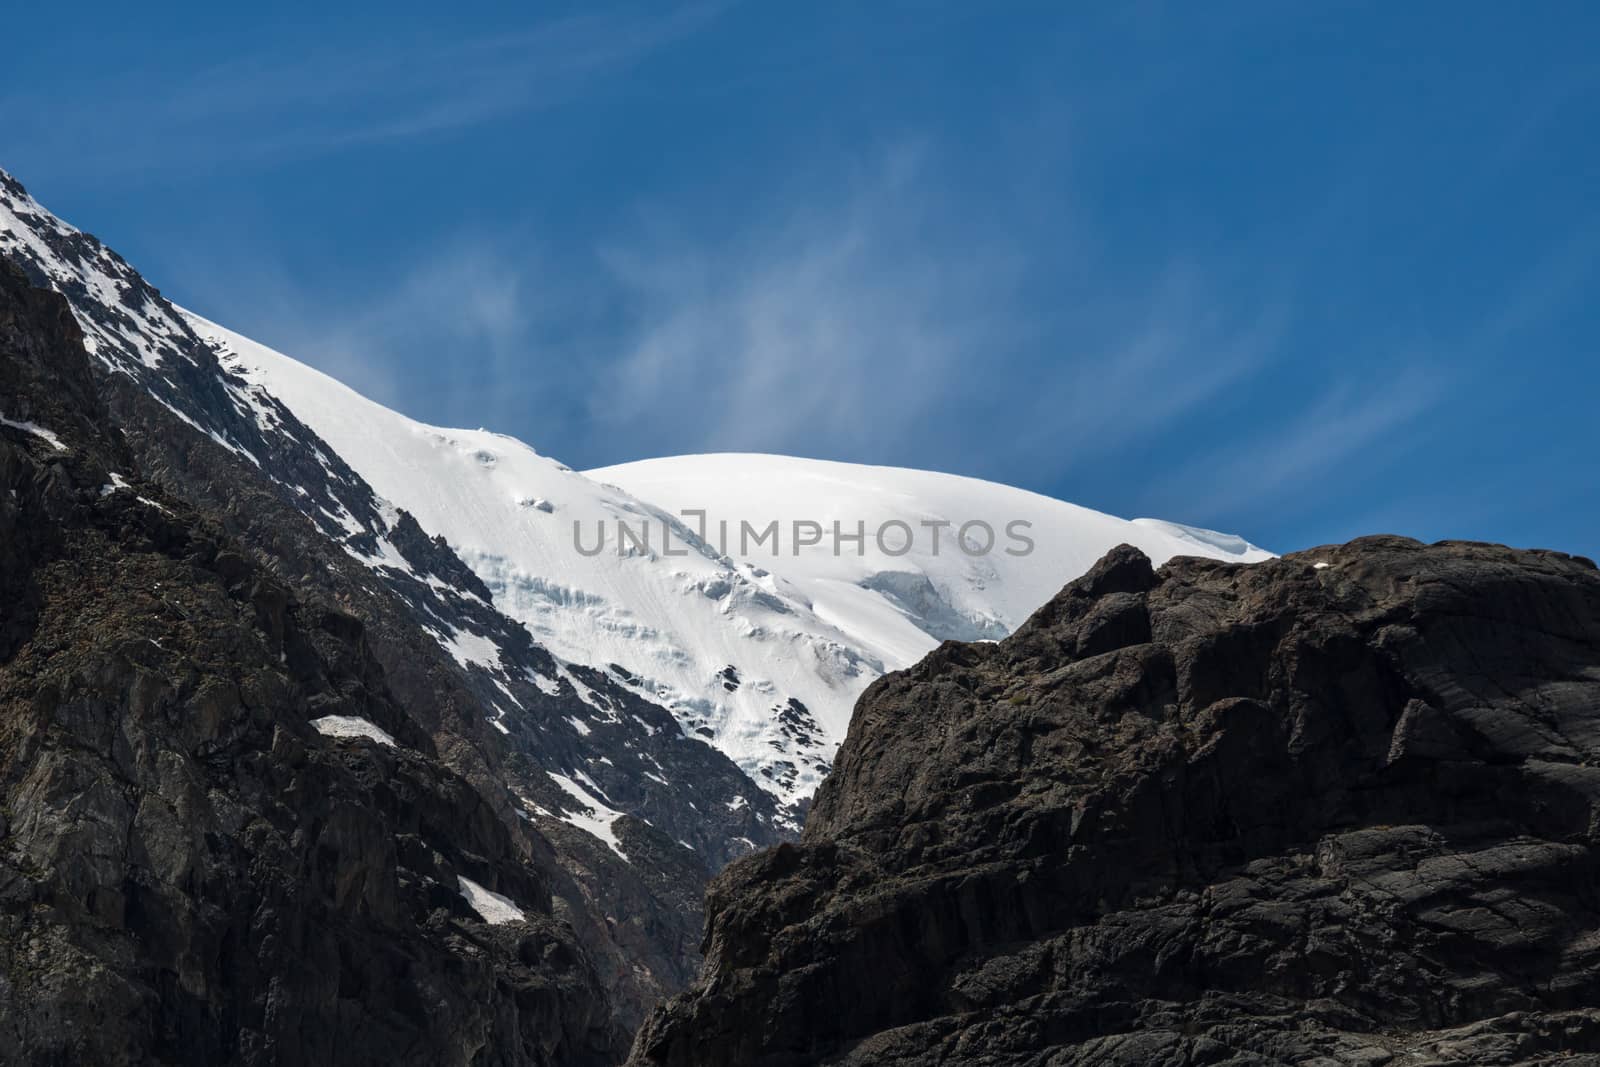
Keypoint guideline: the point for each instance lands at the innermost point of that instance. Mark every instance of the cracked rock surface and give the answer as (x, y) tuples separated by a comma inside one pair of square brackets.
[(191, 871), (1336, 808)]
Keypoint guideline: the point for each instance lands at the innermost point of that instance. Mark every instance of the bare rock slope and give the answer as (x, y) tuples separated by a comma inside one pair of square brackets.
[(1336, 808), (192, 869), (594, 782)]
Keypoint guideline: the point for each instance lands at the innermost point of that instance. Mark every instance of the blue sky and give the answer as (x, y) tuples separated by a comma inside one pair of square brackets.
[(1298, 271)]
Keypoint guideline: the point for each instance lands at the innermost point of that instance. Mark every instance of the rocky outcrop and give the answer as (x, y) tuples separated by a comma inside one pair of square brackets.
[(505, 716), (192, 869), (1336, 808)]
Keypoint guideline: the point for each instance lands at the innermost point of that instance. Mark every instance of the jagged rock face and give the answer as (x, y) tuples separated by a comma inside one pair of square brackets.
[(499, 709), (1340, 807), (190, 871)]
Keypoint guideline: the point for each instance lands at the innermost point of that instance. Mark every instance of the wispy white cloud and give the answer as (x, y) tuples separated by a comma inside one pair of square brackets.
[(1170, 355), (459, 321), (870, 321), (840, 324), (445, 337), (1288, 458), (861, 320), (858, 318), (273, 105)]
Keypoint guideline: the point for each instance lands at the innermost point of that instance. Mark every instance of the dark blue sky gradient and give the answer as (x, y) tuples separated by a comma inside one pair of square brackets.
[(1299, 272)]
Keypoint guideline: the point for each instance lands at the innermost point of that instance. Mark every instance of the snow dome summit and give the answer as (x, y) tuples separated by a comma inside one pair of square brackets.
[(892, 537)]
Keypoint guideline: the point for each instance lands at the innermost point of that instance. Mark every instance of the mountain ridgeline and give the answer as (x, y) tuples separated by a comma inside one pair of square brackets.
[(1341, 807), (324, 743), (635, 721), (190, 871), (627, 815)]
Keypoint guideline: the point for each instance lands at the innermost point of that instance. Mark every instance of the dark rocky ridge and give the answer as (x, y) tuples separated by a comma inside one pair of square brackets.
[(190, 873), (243, 461), (1337, 808)]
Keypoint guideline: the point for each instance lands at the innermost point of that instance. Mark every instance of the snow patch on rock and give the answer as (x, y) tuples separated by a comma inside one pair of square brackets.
[(490, 906), (352, 726)]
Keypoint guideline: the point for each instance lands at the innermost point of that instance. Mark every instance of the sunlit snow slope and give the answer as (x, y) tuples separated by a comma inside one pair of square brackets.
[(943, 557), (763, 654)]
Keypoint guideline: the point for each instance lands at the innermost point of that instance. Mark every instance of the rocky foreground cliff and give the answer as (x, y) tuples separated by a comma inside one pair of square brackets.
[(1338, 808), (624, 815), (222, 839)]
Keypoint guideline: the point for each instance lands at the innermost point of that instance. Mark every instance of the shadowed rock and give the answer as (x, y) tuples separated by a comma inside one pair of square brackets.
[(1337, 808), (191, 872)]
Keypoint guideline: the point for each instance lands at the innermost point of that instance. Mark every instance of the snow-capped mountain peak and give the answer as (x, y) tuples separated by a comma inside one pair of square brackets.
[(645, 671), (754, 596)]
